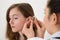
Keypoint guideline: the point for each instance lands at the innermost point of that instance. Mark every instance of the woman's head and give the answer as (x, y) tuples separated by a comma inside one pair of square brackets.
[(52, 16), (16, 17)]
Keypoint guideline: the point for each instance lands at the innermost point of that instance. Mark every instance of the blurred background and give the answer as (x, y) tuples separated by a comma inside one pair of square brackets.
[(38, 7)]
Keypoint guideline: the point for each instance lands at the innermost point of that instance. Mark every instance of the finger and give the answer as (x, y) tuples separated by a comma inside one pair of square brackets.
[(26, 24), (36, 23), (40, 23), (31, 24)]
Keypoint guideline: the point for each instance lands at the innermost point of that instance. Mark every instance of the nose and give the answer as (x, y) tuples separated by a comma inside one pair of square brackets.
[(11, 22)]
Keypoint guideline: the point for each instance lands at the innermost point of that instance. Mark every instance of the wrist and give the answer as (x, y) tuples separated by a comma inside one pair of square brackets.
[(40, 35), (31, 36)]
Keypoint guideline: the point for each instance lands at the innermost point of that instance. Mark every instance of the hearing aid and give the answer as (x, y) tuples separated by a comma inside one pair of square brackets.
[(33, 18)]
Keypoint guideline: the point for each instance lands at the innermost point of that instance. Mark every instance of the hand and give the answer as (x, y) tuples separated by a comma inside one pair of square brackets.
[(40, 28), (28, 29)]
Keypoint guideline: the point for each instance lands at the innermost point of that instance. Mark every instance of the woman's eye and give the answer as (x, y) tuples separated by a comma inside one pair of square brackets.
[(15, 18)]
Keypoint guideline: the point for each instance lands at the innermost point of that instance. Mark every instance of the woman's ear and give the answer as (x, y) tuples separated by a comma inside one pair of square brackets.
[(28, 18), (54, 18)]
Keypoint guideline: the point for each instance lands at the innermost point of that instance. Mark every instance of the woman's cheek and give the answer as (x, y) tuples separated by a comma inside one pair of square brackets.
[(20, 24)]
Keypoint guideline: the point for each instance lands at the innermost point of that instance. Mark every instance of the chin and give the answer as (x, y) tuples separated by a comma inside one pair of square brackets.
[(49, 32), (14, 30)]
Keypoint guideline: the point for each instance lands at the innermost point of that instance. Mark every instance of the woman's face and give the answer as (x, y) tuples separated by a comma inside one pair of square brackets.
[(17, 20)]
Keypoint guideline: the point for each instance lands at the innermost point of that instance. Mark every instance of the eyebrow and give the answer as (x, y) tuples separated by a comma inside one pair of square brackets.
[(13, 15)]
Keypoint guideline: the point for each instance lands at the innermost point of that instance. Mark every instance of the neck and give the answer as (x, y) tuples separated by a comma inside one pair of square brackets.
[(56, 29), (21, 36)]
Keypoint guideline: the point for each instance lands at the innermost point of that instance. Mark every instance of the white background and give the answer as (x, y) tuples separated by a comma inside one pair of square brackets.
[(38, 7)]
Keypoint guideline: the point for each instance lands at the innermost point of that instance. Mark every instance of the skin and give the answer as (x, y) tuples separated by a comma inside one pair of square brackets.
[(50, 23), (28, 31), (17, 21)]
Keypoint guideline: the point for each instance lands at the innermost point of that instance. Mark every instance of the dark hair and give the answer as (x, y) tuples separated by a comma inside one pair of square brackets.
[(26, 10), (54, 6)]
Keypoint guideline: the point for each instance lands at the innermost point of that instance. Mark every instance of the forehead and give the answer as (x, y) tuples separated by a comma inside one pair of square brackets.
[(14, 11), (47, 9)]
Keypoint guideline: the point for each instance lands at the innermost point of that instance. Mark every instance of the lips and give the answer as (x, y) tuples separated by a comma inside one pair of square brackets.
[(12, 26)]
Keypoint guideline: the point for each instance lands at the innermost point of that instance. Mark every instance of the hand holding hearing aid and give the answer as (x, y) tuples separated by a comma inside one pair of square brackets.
[(28, 28), (40, 30), (33, 28)]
